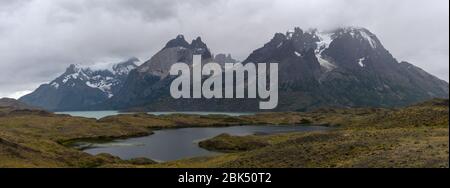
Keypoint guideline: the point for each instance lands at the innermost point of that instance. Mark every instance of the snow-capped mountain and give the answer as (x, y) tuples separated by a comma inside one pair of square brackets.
[(345, 67), (176, 50), (81, 86), (151, 80), (297, 43)]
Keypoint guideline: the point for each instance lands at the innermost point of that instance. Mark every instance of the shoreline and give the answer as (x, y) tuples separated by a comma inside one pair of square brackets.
[(384, 136)]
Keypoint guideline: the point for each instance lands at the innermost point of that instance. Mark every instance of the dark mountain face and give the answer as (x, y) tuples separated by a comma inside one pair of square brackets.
[(151, 80), (347, 67), (179, 41), (79, 88), (223, 58), (200, 48)]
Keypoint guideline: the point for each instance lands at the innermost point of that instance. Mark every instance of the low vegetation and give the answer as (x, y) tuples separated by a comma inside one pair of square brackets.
[(415, 136)]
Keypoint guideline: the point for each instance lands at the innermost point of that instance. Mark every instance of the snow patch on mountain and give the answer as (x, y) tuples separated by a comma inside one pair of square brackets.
[(289, 34), (279, 45), (80, 75), (362, 34), (124, 70), (361, 62), (323, 43), (368, 38), (55, 85), (105, 85), (102, 76)]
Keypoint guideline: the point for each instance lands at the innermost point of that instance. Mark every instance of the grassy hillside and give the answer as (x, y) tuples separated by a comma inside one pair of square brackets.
[(416, 136)]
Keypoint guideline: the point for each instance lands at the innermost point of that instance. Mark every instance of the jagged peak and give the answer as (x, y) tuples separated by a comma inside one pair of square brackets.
[(180, 36), (339, 30), (324, 37), (224, 58), (73, 68), (353, 28), (199, 47), (103, 76), (130, 61), (179, 41), (126, 66), (198, 43), (198, 39), (297, 38), (119, 67), (278, 38), (360, 33), (295, 33)]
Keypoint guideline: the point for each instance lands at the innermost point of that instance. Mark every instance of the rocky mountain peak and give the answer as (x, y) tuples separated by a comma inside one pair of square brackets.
[(198, 43), (357, 49), (176, 50), (278, 38), (343, 67), (349, 46), (361, 34), (73, 68), (295, 34), (180, 36), (295, 40), (179, 41), (125, 67), (199, 47), (197, 40), (224, 58), (82, 86)]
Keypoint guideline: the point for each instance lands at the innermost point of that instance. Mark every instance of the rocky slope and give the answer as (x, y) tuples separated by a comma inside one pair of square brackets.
[(151, 81), (346, 67), (80, 88), (415, 136), (224, 58)]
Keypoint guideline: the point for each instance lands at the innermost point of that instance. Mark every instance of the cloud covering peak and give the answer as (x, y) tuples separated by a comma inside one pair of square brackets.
[(40, 38)]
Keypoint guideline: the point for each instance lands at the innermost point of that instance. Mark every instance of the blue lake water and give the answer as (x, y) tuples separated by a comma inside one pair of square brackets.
[(102, 114), (173, 144)]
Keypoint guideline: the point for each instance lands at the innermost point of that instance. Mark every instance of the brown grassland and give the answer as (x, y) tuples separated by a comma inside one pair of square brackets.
[(414, 136)]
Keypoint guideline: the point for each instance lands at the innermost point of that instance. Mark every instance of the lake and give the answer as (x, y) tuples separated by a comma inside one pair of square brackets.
[(102, 114), (173, 144)]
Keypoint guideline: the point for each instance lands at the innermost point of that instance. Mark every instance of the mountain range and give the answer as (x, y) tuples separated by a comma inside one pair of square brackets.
[(345, 67), (15, 104), (80, 88)]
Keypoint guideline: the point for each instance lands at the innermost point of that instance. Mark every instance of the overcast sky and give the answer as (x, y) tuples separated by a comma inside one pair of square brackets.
[(40, 38)]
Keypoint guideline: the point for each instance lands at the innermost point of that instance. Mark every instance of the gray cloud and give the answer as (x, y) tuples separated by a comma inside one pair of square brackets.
[(39, 38)]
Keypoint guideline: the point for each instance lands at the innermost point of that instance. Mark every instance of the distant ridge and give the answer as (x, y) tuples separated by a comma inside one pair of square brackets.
[(81, 87), (15, 104), (345, 67)]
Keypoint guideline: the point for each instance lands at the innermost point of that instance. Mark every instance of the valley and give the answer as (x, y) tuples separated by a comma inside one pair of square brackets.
[(413, 136), (344, 67)]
